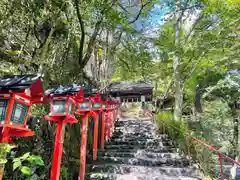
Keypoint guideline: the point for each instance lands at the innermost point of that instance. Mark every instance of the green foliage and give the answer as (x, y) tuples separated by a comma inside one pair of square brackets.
[(32, 161), (175, 129), (178, 132), (133, 63), (4, 149), (64, 173), (228, 89), (207, 46), (26, 170)]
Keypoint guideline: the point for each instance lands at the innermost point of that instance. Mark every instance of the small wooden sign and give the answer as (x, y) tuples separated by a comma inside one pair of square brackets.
[(142, 98), (119, 99)]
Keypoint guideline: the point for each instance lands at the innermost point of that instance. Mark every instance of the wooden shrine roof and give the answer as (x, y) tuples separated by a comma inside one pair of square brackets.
[(126, 87)]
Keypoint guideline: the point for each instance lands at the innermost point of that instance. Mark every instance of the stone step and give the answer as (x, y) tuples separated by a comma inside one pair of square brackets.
[(132, 133), (118, 154), (133, 121), (157, 155), (164, 149), (135, 147), (133, 130), (124, 146), (135, 127), (137, 176), (139, 153), (132, 124), (137, 142), (128, 135), (155, 150), (155, 139), (141, 161), (125, 169), (120, 147)]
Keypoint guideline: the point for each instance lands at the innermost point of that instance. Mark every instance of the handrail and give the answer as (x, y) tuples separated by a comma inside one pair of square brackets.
[(215, 150), (194, 139)]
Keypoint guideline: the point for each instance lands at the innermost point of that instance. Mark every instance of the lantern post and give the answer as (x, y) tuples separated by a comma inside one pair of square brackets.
[(107, 124), (17, 94), (97, 108), (104, 122), (114, 110), (62, 112), (110, 118), (85, 109)]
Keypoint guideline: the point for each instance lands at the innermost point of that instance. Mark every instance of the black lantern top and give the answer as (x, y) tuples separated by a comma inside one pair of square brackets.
[(63, 89), (18, 82), (17, 93), (67, 89)]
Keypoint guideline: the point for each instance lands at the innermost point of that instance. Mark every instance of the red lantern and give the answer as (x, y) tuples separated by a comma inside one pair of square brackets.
[(108, 119), (86, 108), (17, 94), (62, 112), (104, 117), (97, 108), (111, 111)]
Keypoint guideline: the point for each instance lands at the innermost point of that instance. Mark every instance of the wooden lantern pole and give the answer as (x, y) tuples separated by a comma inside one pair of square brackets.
[(103, 130), (58, 148), (61, 120), (83, 148), (95, 135)]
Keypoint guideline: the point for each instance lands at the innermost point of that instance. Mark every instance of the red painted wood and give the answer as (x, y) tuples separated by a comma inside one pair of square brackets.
[(27, 115), (95, 137), (187, 146), (9, 111), (215, 150), (61, 120), (221, 166), (37, 89), (108, 126), (83, 148), (103, 130), (14, 130), (5, 131), (8, 129), (57, 154)]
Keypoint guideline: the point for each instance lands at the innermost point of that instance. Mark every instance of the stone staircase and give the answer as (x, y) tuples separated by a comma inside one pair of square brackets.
[(137, 152)]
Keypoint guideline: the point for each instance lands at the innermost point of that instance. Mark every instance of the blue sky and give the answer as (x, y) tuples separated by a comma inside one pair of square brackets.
[(153, 19)]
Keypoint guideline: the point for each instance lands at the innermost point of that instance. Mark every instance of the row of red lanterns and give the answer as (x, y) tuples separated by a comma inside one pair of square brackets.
[(18, 93)]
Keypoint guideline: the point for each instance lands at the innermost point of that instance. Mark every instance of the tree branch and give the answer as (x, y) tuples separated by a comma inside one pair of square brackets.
[(123, 8), (192, 29), (94, 36), (140, 12), (80, 53), (124, 62)]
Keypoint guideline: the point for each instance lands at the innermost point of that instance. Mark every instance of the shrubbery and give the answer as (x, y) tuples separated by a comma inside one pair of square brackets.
[(178, 131)]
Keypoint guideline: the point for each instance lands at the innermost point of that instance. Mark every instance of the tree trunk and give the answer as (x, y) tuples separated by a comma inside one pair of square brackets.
[(178, 99), (179, 86), (156, 87), (43, 56)]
